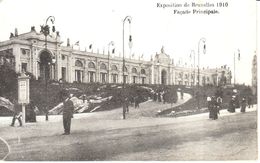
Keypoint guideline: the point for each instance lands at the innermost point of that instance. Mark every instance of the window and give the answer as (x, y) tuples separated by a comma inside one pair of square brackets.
[(103, 66), (63, 57), (63, 73), (103, 77), (134, 79), (91, 76), (24, 67), (143, 80), (134, 70), (91, 65), (23, 51), (114, 68), (125, 79), (78, 63), (114, 77), (143, 71)]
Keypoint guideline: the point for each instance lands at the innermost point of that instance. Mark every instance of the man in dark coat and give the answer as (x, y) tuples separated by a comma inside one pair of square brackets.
[(68, 109), (243, 105), (210, 107), (17, 113), (215, 108), (232, 105)]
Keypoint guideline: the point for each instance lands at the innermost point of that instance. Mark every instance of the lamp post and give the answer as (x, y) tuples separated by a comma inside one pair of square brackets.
[(238, 53), (193, 52), (45, 29), (204, 51), (129, 19), (111, 43)]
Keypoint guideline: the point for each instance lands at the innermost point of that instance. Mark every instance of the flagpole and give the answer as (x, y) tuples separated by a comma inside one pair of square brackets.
[(124, 102), (110, 43), (201, 40), (235, 64)]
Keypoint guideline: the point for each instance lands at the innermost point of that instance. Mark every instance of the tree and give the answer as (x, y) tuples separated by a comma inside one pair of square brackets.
[(8, 81)]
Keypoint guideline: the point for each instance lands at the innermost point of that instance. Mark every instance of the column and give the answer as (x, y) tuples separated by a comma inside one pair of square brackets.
[(16, 53)]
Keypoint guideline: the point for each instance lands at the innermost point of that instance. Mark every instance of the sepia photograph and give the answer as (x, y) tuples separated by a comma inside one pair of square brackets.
[(128, 80)]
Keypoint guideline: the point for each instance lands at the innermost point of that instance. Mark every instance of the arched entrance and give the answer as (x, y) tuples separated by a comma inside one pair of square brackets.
[(45, 65), (164, 77)]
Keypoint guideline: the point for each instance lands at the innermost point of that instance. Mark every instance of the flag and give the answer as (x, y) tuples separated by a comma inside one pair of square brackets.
[(142, 56), (133, 55), (238, 55), (90, 46), (77, 43), (130, 38), (113, 51), (204, 49)]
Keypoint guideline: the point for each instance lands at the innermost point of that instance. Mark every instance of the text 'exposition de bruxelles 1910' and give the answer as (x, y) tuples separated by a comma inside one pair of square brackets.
[(180, 9)]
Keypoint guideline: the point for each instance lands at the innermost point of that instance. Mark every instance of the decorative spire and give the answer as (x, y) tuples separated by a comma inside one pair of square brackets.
[(68, 42), (162, 49)]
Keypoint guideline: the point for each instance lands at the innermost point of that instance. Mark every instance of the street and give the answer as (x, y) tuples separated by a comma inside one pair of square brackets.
[(231, 137)]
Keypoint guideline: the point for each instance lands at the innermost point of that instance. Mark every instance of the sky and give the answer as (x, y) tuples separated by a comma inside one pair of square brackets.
[(99, 22)]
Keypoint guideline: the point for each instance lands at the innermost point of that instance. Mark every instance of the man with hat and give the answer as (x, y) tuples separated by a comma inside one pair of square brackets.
[(68, 109)]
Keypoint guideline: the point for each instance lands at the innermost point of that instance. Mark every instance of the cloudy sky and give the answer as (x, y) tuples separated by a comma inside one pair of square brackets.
[(98, 22)]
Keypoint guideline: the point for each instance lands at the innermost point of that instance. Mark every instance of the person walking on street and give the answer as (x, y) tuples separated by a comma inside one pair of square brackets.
[(17, 114), (127, 105), (68, 109), (210, 107), (249, 101), (243, 105), (232, 105), (215, 108), (136, 102), (181, 94), (219, 102)]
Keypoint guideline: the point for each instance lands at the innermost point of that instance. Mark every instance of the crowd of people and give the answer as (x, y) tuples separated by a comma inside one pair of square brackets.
[(215, 104), (165, 95)]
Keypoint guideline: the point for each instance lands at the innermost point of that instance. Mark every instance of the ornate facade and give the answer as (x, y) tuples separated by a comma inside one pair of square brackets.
[(29, 52)]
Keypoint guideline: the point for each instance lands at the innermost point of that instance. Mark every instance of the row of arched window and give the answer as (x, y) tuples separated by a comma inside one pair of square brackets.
[(103, 66)]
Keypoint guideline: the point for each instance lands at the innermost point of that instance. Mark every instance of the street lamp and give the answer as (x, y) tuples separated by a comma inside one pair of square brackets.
[(193, 52), (204, 51), (111, 43), (129, 19), (238, 55), (45, 29)]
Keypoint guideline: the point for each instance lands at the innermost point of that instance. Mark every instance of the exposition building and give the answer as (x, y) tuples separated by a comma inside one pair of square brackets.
[(29, 52)]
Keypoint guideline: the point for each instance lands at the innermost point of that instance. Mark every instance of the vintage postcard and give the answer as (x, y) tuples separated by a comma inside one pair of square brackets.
[(125, 80)]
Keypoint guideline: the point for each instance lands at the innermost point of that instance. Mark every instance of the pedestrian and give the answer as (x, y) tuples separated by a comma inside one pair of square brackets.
[(181, 94), (68, 109), (164, 97), (215, 108), (243, 105), (84, 98), (219, 102), (210, 107), (136, 102), (127, 105), (17, 113), (249, 101), (159, 97), (232, 105), (208, 100), (31, 114)]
